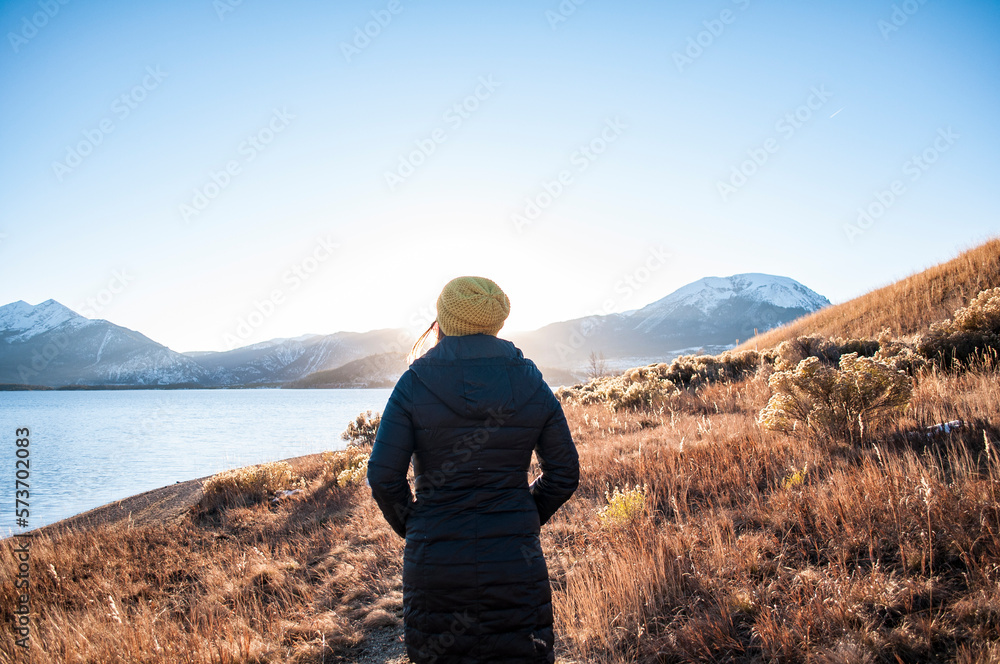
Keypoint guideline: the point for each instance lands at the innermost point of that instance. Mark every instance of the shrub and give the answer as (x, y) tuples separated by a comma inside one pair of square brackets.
[(973, 330), (642, 388), (361, 432), (795, 478), (860, 396), (251, 483), (863, 347), (899, 354), (694, 370), (790, 353), (624, 507), (348, 466), (655, 385)]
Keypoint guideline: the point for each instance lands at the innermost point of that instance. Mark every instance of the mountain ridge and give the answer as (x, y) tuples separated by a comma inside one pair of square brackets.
[(50, 344)]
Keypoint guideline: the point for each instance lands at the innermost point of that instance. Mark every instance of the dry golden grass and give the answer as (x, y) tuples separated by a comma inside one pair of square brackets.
[(252, 483), (905, 307), (294, 581), (763, 547), (753, 546), (695, 536)]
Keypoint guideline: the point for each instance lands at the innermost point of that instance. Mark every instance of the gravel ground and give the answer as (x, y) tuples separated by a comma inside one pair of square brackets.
[(383, 646)]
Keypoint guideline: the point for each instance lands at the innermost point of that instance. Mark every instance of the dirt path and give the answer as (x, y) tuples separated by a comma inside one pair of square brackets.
[(383, 646)]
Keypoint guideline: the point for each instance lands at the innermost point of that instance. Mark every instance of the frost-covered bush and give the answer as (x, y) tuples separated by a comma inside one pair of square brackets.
[(361, 432), (897, 353), (973, 330), (251, 483), (790, 353), (900, 354), (656, 385), (693, 370), (348, 466), (863, 347), (642, 388), (861, 395)]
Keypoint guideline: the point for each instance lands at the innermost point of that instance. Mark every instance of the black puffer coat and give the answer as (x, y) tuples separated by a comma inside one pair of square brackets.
[(475, 585)]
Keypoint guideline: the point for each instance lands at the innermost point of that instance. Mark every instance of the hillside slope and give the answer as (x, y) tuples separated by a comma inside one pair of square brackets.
[(380, 370), (905, 307), (710, 313)]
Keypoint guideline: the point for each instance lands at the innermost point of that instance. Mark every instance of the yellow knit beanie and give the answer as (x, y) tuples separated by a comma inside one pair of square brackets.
[(471, 305)]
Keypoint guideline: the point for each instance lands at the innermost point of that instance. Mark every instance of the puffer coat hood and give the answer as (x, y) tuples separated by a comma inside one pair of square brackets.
[(469, 414)]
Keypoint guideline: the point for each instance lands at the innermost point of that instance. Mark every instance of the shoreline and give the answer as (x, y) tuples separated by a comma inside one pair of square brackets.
[(9, 387), (162, 506)]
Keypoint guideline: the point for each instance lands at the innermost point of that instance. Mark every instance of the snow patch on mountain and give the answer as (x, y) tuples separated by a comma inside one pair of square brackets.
[(707, 294), (27, 321)]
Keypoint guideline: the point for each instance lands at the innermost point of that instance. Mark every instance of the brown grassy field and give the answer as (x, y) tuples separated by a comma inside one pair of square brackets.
[(905, 307), (696, 536), (750, 546)]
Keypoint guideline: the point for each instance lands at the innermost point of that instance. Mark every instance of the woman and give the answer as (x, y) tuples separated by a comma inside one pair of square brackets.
[(470, 412)]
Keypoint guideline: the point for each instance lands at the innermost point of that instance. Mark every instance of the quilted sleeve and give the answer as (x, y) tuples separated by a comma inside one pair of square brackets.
[(558, 461), (390, 458)]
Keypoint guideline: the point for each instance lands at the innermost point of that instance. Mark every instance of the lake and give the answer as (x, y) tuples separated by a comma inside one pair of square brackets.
[(88, 448)]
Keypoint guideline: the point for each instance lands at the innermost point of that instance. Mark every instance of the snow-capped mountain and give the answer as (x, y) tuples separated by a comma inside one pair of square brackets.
[(711, 313), (283, 360), (765, 298), (707, 294), (21, 321), (49, 344)]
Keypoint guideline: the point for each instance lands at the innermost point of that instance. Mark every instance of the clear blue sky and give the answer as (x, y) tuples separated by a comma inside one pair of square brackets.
[(120, 119)]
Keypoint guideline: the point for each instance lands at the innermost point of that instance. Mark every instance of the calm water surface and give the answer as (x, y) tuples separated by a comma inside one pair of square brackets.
[(91, 448)]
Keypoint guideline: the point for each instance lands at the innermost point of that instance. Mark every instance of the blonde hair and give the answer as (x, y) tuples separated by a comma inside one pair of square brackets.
[(425, 342)]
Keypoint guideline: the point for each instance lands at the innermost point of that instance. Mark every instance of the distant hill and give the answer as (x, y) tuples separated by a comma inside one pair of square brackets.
[(384, 369), (381, 370), (710, 314), (905, 307), (50, 345), (284, 360), (556, 377)]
